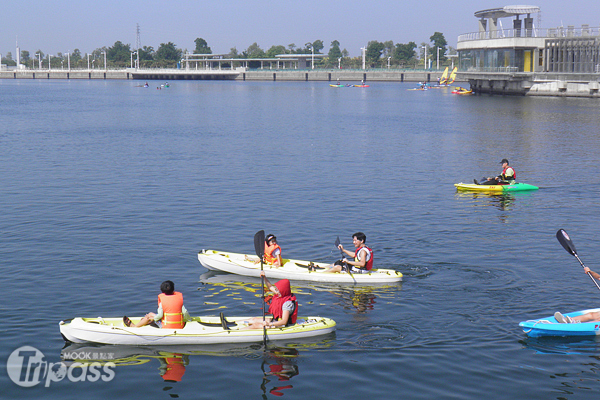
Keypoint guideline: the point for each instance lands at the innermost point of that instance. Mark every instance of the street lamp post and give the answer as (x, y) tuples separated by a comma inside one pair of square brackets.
[(40, 60), (340, 63), (389, 58), (104, 60), (437, 67), (49, 55), (88, 61), (425, 57), (69, 61), (364, 57)]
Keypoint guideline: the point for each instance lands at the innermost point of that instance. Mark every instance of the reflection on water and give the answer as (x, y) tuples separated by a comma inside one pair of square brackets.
[(361, 298), (504, 202), (278, 367), (563, 345), (278, 361)]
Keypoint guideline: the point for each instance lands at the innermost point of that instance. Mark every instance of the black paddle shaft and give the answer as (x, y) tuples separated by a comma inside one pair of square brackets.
[(259, 248), (567, 243)]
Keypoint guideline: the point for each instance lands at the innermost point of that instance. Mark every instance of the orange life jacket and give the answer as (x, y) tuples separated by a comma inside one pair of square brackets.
[(171, 305), (268, 258)]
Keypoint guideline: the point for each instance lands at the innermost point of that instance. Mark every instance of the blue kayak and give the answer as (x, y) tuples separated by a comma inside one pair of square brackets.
[(549, 326)]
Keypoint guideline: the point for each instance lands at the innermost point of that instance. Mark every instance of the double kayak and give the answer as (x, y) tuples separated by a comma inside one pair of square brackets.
[(247, 265), (549, 326), (515, 187), (198, 331)]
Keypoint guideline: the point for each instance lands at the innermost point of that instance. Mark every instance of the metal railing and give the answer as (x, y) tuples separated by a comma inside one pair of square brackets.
[(569, 31)]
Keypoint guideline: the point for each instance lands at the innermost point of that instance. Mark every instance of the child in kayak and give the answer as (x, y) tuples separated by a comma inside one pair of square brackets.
[(283, 306), (171, 311), (589, 317), (272, 251)]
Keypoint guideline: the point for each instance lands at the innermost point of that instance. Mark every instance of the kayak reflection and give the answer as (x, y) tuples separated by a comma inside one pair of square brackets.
[(278, 366)]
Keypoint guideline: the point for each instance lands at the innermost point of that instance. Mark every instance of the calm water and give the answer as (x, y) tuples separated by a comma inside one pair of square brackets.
[(107, 189)]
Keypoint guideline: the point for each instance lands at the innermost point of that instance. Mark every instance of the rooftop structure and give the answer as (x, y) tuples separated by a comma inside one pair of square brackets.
[(523, 47)]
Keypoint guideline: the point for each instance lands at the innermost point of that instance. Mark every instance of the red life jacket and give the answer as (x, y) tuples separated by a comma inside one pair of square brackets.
[(369, 263), (276, 306), (268, 258), (507, 178), (171, 306)]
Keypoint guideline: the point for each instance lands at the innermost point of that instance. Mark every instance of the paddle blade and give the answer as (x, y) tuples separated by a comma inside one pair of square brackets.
[(337, 242), (565, 241), (259, 243)]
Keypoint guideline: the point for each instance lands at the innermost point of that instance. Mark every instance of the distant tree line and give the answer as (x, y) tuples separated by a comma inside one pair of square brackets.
[(167, 55)]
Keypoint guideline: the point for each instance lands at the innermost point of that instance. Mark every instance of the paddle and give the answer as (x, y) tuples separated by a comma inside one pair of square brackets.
[(259, 248), (337, 244), (567, 243)]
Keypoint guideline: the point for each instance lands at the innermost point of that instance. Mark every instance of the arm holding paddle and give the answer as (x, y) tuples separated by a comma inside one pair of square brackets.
[(592, 273), (567, 244)]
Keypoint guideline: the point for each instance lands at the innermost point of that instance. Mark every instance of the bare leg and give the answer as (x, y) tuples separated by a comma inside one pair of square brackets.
[(589, 317)]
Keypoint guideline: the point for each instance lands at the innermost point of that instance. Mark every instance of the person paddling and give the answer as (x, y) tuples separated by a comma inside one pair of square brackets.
[(171, 313), (283, 306), (506, 177), (362, 261), (587, 317)]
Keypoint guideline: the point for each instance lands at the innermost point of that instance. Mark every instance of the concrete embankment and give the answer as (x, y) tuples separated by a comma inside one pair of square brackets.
[(244, 75)]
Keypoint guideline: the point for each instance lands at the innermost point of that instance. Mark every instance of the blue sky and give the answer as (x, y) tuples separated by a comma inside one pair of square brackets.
[(63, 25)]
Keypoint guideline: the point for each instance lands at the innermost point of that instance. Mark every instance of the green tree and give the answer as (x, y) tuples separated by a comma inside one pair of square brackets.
[(25, 57), (146, 53), (334, 51), (388, 48), (168, 52), (440, 42), (233, 53), (318, 46), (292, 47), (119, 53), (254, 51), (404, 53), (374, 50), (275, 50), (76, 56), (202, 47)]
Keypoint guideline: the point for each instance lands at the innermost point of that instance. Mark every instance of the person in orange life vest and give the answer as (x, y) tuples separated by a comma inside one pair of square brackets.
[(283, 306), (272, 251), (507, 176), (362, 261), (171, 312)]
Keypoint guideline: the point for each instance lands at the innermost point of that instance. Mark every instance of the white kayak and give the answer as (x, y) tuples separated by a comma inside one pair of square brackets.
[(247, 265), (200, 330)]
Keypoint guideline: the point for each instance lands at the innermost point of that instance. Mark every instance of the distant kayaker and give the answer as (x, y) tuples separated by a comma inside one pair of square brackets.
[(588, 317), (506, 177), (272, 251), (362, 261), (171, 313), (282, 305)]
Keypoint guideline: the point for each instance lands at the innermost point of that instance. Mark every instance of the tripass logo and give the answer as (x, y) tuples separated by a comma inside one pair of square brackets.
[(26, 366)]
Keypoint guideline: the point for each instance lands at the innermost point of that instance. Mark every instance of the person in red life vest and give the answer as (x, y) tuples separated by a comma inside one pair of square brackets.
[(272, 251), (171, 313), (506, 177), (283, 306), (362, 261)]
